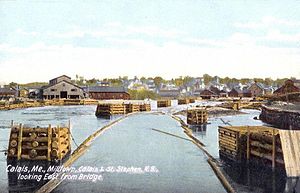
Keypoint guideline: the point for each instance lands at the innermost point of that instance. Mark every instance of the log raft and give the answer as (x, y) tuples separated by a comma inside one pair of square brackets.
[(36, 143)]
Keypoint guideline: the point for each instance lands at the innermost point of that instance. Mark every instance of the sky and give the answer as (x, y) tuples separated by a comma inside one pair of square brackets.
[(40, 40)]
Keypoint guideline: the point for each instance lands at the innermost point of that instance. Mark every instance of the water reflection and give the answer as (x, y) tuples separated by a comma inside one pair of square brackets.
[(261, 179), (199, 129)]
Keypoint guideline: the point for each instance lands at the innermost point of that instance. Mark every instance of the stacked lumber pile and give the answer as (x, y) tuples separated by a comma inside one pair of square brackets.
[(113, 108), (251, 105), (131, 108), (231, 105), (231, 143), (145, 107), (108, 109), (262, 147), (192, 100), (183, 101), (259, 143), (163, 103), (197, 116), (90, 102), (35, 143), (281, 117), (55, 102), (72, 102)]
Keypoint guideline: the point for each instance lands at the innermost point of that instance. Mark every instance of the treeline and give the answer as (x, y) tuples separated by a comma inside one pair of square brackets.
[(142, 94), (267, 81), (179, 81)]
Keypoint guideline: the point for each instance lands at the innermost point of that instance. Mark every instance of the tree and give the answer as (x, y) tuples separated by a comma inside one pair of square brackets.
[(207, 79), (187, 79), (142, 94), (268, 81), (158, 80), (178, 81), (92, 81), (143, 79), (115, 82), (13, 85)]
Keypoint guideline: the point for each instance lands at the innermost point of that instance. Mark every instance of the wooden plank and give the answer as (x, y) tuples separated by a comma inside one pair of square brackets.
[(49, 143), (59, 143), (290, 142), (273, 149), (20, 141), (248, 143)]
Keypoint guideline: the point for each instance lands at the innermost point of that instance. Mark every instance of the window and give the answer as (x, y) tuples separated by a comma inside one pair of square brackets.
[(73, 89), (53, 89)]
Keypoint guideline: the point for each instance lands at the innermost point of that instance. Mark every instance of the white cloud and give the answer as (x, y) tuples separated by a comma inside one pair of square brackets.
[(276, 35), (41, 63), (116, 29), (236, 39), (26, 33), (267, 22)]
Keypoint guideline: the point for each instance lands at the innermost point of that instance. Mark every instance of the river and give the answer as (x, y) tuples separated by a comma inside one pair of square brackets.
[(182, 166)]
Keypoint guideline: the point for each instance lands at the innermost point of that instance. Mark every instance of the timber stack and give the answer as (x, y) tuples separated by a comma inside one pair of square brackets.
[(117, 108), (108, 109), (73, 102), (284, 117), (36, 143), (163, 103), (145, 107), (131, 108), (197, 116), (183, 101), (251, 105), (192, 100), (251, 143), (235, 105)]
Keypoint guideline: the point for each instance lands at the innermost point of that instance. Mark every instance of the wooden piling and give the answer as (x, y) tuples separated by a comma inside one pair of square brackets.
[(248, 144), (273, 149), (20, 137), (49, 143)]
